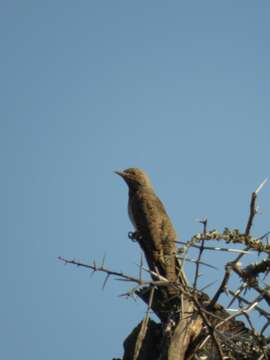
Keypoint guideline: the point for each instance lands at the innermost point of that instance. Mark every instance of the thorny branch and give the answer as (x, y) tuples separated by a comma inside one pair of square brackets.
[(204, 222), (121, 276), (220, 329)]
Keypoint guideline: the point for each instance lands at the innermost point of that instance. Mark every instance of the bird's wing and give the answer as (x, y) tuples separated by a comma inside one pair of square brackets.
[(151, 219), (158, 237)]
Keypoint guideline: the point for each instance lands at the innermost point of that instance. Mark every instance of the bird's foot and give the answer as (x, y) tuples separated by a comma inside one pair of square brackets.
[(134, 236)]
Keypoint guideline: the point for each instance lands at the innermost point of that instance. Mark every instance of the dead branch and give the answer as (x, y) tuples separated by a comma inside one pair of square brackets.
[(192, 324)]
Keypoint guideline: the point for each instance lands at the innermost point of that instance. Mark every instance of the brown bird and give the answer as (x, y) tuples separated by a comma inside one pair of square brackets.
[(154, 230)]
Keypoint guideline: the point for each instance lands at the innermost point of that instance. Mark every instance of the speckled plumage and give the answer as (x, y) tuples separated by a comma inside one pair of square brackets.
[(157, 236)]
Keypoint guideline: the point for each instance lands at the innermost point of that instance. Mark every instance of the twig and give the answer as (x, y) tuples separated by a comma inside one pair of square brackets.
[(105, 281), (211, 330), (231, 236), (214, 248), (237, 294), (238, 313), (254, 270), (143, 328), (197, 261), (207, 286), (253, 283), (222, 286), (233, 265), (204, 222), (223, 321), (123, 277), (252, 214)]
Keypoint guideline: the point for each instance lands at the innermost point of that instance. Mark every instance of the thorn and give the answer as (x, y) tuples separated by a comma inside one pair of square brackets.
[(197, 262), (103, 260), (265, 236), (261, 186), (201, 221), (121, 279), (141, 267), (208, 285), (204, 221), (105, 281)]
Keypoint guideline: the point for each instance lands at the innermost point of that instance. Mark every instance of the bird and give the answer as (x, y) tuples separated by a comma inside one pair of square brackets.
[(154, 230)]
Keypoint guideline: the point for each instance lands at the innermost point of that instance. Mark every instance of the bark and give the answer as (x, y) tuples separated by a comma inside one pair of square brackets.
[(189, 327)]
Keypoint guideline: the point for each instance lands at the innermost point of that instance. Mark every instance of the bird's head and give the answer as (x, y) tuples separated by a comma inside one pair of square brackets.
[(135, 178)]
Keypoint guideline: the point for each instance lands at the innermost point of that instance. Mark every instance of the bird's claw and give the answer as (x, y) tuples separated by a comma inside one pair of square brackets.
[(134, 236)]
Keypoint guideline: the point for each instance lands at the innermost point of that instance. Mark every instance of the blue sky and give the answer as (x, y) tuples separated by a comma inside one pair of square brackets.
[(180, 89)]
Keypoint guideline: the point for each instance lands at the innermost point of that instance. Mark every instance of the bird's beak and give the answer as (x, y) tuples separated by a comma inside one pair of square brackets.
[(120, 173)]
